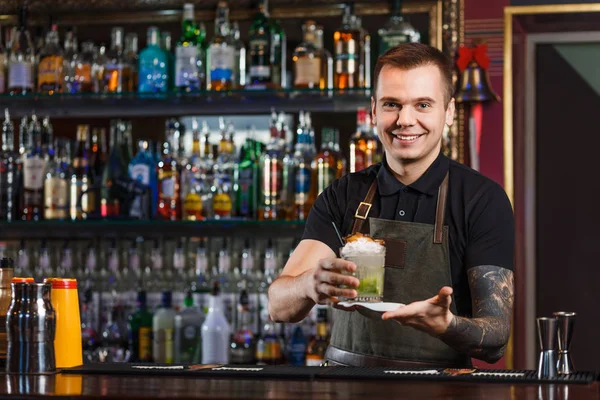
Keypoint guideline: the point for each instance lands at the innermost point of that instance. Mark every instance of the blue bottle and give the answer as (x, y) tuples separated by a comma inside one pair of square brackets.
[(153, 66), (143, 169), (297, 346)]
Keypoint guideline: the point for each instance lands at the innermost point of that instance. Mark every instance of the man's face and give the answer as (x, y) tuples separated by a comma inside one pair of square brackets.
[(410, 113)]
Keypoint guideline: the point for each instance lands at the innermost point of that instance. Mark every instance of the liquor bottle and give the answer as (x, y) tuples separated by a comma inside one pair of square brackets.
[(131, 58), (227, 282), (34, 169), (8, 171), (166, 47), (313, 65), (271, 175), (349, 45), (243, 347), (23, 263), (188, 333), (315, 352), (222, 205), (81, 201), (50, 69), (168, 185), (89, 334), (140, 331), (201, 278), (126, 141), (189, 55), (153, 65), (43, 268), (327, 80), (56, 184), (221, 53), (64, 267), (98, 153), (115, 168), (268, 347), (160, 277), (163, 324), (239, 70), (303, 171), (297, 350), (397, 30), (179, 280), (47, 133), (3, 64), (363, 144), (260, 72), (143, 169), (249, 281), (288, 185), (116, 71), (83, 74), (329, 163), (69, 61), (246, 179), (278, 55), (191, 180), (215, 331), (21, 59)]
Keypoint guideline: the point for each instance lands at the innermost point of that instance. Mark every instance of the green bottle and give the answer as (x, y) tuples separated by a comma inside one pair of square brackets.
[(140, 331), (278, 55), (246, 180), (397, 30), (260, 71), (188, 74)]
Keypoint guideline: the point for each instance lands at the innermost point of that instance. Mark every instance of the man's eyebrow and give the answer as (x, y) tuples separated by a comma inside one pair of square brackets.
[(417, 100), (388, 98)]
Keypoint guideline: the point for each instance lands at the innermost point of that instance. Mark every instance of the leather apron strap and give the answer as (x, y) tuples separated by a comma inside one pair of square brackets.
[(362, 212)]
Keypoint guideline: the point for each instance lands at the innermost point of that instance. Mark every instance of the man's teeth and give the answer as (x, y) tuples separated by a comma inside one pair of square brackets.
[(402, 137)]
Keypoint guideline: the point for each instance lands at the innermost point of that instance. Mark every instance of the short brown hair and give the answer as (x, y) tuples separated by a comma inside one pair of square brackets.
[(413, 55)]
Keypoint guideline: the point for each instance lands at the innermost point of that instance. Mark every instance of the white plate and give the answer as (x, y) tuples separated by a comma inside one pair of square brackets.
[(379, 307)]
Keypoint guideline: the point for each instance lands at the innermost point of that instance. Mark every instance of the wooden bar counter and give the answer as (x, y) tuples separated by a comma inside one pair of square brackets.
[(91, 386)]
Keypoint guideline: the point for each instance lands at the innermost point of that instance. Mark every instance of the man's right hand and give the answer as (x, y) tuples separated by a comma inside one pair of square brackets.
[(324, 281)]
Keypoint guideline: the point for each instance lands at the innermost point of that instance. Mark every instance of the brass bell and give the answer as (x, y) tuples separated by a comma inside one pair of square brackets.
[(474, 85)]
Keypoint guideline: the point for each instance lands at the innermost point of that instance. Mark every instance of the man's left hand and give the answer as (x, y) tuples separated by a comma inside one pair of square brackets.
[(432, 316)]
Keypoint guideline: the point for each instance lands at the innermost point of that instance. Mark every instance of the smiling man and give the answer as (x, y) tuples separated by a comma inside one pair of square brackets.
[(449, 234)]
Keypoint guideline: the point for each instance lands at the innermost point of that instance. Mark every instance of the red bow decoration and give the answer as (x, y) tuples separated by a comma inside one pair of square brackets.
[(477, 53)]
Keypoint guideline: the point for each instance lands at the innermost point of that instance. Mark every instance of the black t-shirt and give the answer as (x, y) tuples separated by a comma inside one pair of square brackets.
[(478, 213)]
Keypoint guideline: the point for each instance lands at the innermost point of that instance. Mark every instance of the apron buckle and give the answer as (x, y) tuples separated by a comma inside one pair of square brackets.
[(363, 210)]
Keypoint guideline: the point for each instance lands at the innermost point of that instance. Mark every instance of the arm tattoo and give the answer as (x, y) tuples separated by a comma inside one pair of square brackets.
[(486, 335)]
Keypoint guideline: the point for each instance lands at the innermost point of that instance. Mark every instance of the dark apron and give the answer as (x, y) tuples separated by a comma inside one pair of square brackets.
[(417, 266)]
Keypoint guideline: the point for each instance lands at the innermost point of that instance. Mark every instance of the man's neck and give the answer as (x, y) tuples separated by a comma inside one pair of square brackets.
[(410, 172)]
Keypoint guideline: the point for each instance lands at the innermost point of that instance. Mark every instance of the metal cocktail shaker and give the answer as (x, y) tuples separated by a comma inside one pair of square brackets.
[(547, 335), (6, 274), (566, 322), (31, 326)]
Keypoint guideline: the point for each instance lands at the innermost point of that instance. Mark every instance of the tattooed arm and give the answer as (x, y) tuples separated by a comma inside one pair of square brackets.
[(484, 336)]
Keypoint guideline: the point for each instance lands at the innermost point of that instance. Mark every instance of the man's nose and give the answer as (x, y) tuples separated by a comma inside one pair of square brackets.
[(406, 117)]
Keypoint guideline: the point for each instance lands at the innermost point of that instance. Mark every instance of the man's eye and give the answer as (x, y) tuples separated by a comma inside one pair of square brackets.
[(424, 105), (389, 104)]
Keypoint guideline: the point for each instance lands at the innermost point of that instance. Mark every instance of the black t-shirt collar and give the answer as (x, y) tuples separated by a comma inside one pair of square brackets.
[(428, 183)]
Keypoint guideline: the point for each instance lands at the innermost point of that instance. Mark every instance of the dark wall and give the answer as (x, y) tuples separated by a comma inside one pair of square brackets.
[(567, 212)]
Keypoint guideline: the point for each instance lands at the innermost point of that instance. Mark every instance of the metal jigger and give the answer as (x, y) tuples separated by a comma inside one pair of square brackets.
[(547, 335), (566, 321)]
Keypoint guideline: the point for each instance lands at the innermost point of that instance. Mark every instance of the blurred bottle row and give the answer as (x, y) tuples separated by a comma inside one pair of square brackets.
[(195, 63), (44, 177), (181, 300)]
